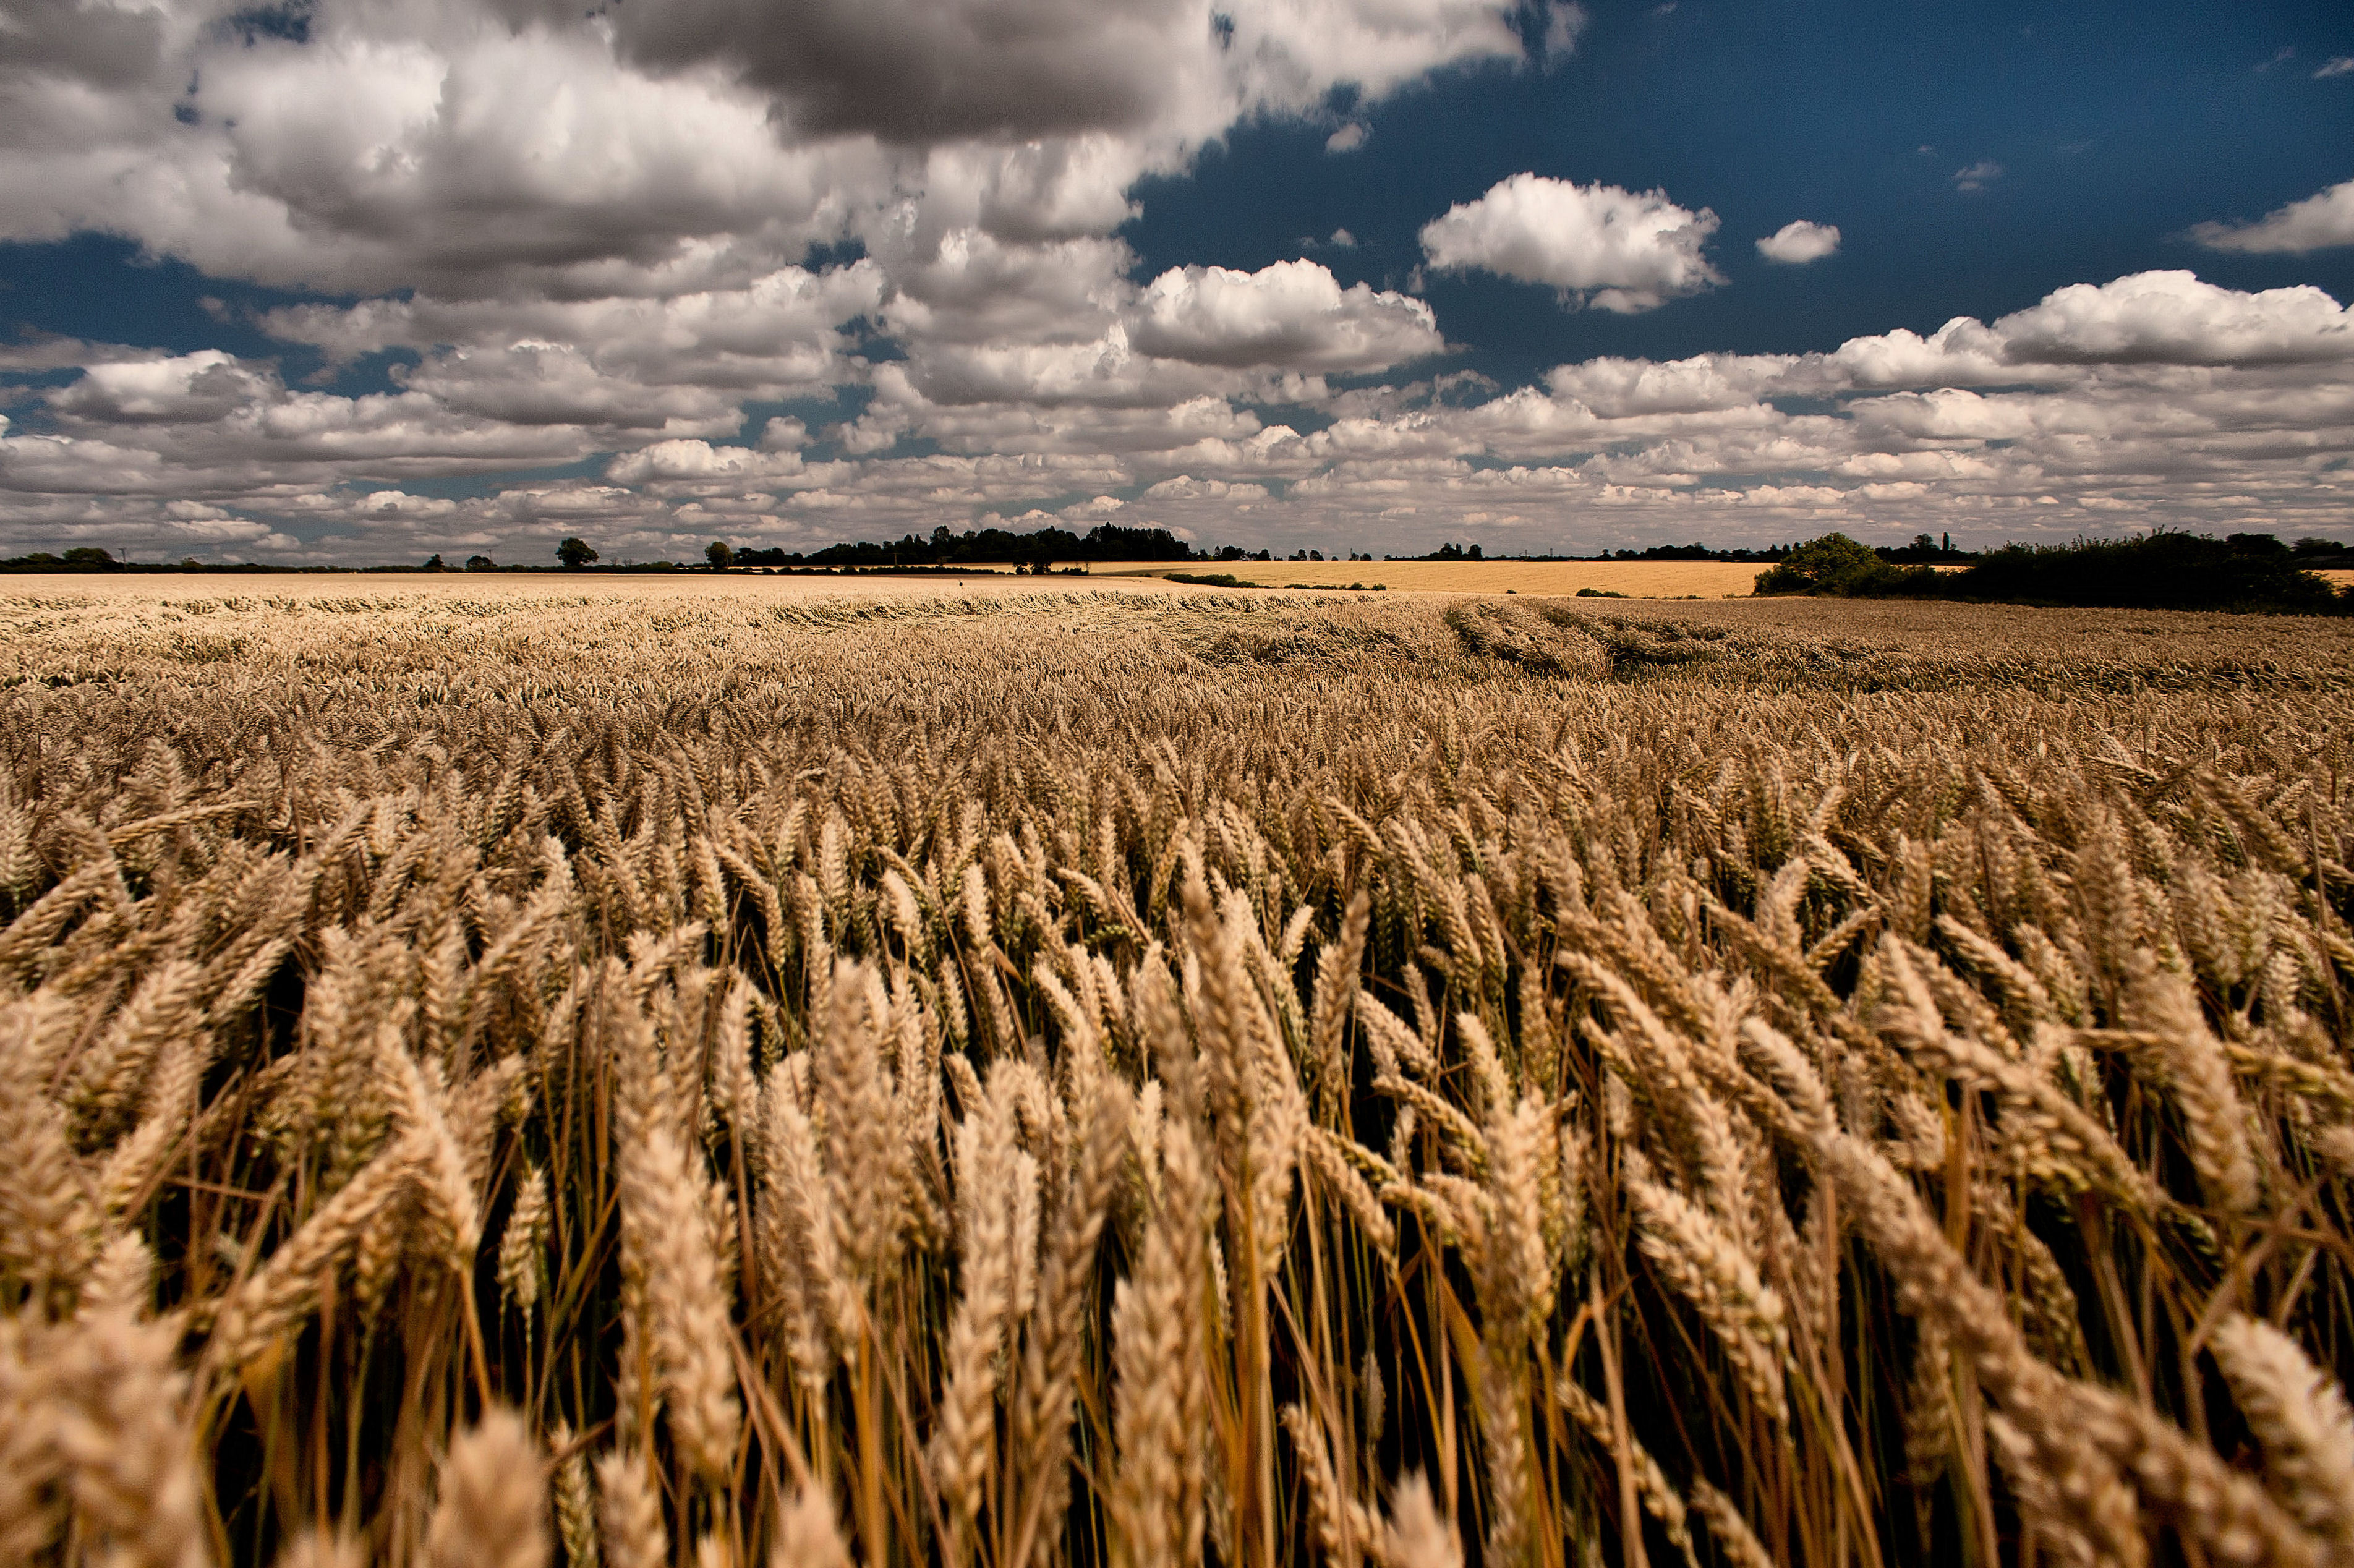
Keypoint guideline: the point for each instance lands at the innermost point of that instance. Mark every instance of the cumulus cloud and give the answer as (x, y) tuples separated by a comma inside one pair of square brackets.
[(1799, 242), (696, 461), (1185, 487), (2319, 222), (203, 387), (1348, 138), (1292, 314), (2158, 394), (930, 70), (582, 237), (582, 232), (1977, 177), (920, 71), (1618, 388), (629, 363), (639, 150), (2174, 318), (1615, 248)]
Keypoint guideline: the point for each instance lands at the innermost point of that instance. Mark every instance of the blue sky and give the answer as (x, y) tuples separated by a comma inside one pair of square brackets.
[(359, 284)]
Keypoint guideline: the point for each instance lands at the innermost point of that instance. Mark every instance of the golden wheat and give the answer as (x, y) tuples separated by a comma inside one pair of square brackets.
[(1161, 1079)]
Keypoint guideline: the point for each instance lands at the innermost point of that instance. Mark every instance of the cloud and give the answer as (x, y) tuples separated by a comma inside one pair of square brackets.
[(2280, 57), (699, 461), (1603, 246), (1348, 138), (198, 387), (1977, 177), (1185, 487), (1292, 314), (631, 150), (2173, 318), (1343, 239), (400, 503), (1565, 22), (2319, 222), (629, 363), (931, 71), (927, 71), (2338, 65), (1800, 242), (1618, 388)]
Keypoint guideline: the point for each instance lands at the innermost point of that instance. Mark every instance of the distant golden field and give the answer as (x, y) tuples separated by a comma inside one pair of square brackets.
[(1636, 579), (522, 588), (648, 1072)]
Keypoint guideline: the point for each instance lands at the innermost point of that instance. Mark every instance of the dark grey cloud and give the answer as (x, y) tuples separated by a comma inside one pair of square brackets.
[(98, 45), (920, 71)]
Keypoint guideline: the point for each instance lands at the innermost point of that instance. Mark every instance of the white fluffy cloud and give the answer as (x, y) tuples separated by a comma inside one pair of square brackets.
[(2319, 222), (1293, 315), (366, 145), (1618, 249), (1799, 242), (2173, 318), (2157, 395), (582, 235)]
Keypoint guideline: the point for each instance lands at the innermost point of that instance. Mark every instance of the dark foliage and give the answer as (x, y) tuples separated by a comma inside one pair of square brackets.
[(1104, 542), (2154, 571)]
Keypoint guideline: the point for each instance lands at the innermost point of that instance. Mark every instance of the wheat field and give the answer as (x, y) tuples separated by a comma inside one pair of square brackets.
[(1633, 579), (1008, 1081)]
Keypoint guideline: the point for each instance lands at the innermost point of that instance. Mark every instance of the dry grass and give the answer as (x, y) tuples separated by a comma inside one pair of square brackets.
[(1019, 1080)]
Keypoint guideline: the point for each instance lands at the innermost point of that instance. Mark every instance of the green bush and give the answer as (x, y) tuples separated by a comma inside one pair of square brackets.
[(1836, 564)]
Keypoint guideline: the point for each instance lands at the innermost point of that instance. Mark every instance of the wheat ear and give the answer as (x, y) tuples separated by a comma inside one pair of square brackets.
[(493, 1511), (2301, 1418), (630, 1514)]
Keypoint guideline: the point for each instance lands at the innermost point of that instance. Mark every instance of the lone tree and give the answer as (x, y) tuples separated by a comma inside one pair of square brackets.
[(575, 553), (720, 557), (1833, 564)]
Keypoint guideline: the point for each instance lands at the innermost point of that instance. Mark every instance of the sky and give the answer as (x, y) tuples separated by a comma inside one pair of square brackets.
[(359, 281)]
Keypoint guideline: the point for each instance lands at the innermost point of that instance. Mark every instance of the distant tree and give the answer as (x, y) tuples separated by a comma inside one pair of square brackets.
[(88, 555), (436, 564), (720, 557), (1838, 564), (575, 553), (1833, 564), (1472, 553), (480, 564)]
